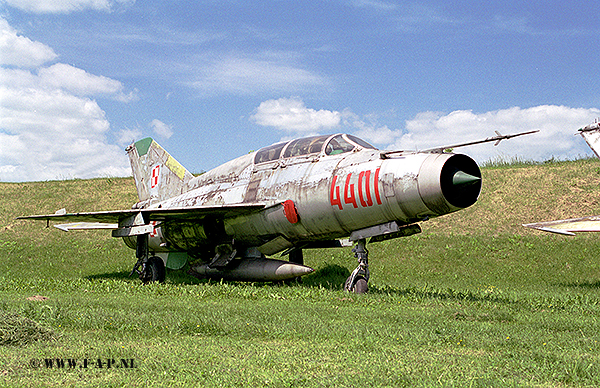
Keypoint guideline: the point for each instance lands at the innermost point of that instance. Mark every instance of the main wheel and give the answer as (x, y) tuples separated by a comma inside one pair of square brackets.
[(361, 286), (155, 270)]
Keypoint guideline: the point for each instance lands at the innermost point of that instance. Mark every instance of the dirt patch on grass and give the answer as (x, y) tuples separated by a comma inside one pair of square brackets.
[(37, 298)]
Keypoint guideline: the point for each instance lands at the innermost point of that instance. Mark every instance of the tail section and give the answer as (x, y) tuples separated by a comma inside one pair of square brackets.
[(158, 176)]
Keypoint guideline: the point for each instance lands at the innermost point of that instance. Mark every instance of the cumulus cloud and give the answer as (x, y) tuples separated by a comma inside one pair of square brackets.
[(557, 126), (21, 51), (161, 129), (69, 79), (53, 135), (369, 129), (291, 115), (50, 125), (66, 6), (80, 82)]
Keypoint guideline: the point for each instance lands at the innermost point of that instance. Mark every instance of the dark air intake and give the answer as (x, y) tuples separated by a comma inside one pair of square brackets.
[(461, 181)]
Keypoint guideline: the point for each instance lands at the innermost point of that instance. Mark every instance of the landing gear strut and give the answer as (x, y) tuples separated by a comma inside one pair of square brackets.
[(357, 281)]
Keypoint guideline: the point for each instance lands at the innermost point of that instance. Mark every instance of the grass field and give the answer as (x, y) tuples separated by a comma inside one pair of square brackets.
[(476, 300)]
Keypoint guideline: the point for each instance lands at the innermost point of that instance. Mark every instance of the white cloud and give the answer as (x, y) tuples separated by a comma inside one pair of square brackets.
[(49, 112), (369, 129), (50, 127), (53, 135), (20, 51), (128, 136), (243, 75), (82, 83), (68, 79), (557, 126), (292, 115), (66, 6), (161, 129)]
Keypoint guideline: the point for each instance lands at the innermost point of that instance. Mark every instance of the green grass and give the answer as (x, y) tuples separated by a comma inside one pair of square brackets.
[(16, 330), (476, 300)]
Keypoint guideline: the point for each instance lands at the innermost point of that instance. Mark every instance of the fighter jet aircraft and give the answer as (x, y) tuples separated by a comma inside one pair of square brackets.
[(591, 134), (304, 193)]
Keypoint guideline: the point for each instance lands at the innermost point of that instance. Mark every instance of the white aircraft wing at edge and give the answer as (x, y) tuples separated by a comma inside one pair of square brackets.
[(568, 227)]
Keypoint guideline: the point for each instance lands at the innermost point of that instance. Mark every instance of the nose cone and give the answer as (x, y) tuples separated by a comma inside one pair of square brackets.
[(462, 179)]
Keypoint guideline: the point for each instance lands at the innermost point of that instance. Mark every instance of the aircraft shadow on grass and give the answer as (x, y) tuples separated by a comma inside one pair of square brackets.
[(173, 277), (588, 284), (330, 277), (107, 276)]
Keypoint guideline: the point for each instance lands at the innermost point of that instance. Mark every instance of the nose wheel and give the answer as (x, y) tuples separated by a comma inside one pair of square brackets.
[(357, 282)]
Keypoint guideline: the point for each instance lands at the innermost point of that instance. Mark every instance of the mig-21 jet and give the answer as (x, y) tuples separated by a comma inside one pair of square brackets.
[(294, 195)]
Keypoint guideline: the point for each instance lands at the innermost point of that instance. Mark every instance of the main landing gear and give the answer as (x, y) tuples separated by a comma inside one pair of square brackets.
[(149, 268), (357, 281)]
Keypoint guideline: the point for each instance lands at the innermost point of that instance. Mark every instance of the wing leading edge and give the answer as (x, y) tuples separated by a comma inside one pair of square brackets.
[(113, 219), (568, 227)]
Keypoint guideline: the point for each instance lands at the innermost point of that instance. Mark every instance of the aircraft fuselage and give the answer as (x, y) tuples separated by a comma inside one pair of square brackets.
[(317, 197)]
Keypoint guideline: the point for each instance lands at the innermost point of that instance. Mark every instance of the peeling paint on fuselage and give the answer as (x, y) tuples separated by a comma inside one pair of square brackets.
[(225, 184), (333, 195)]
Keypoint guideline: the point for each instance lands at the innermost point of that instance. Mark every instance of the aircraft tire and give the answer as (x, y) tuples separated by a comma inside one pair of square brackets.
[(155, 271), (361, 286)]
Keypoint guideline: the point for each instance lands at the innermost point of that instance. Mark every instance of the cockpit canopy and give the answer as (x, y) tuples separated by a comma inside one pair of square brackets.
[(326, 144)]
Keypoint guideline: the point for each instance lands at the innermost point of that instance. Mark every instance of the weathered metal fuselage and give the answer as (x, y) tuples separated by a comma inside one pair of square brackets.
[(305, 193), (316, 197)]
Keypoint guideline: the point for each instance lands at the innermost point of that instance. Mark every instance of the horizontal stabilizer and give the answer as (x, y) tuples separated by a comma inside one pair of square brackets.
[(568, 227), (86, 226)]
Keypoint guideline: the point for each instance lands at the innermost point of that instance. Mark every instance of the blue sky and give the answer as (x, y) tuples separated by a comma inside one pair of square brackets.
[(211, 80)]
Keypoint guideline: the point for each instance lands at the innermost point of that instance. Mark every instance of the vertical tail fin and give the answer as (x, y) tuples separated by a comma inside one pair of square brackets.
[(158, 176)]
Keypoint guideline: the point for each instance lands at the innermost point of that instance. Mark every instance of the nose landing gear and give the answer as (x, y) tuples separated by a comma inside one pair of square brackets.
[(357, 282)]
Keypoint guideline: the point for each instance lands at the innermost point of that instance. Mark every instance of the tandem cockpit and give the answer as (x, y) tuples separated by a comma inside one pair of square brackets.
[(313, 145)]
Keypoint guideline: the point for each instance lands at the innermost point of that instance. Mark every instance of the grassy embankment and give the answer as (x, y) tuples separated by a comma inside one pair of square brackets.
[(475, 300)]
